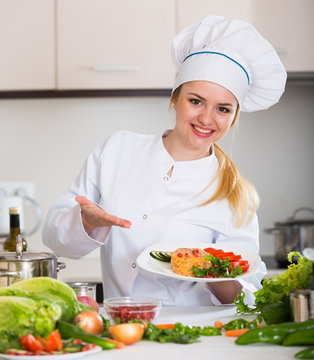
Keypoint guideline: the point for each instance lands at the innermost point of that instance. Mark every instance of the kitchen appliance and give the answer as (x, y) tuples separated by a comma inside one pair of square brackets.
[(84, 288), (17, 266), (23, 202), (294, 234)]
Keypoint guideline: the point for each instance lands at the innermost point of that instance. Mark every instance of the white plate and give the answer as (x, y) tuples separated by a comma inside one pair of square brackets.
[(54, 357), (147, 263)]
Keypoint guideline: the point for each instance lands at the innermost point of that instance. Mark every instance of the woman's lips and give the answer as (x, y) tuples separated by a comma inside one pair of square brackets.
[(202, 132)]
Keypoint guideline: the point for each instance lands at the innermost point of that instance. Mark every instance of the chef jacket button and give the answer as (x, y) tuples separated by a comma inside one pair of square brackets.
[(133, 265), (144, 217), (166, 178)]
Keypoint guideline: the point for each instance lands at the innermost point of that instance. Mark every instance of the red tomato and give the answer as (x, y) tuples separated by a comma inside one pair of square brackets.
[(54, 341), (210, 250), (42, 341), (245, 267), (236, 263), (229, 254), (30, 343), (234, 257), (218, 253)]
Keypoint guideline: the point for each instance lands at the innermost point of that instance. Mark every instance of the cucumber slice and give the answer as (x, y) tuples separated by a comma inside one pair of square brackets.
[(164, 256)]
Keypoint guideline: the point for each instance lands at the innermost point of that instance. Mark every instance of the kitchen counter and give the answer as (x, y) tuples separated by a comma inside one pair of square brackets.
[(215, 347)]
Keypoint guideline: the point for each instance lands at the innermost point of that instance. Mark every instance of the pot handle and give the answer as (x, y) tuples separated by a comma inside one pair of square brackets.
[(9, 273), (61, 266), (301, 209)]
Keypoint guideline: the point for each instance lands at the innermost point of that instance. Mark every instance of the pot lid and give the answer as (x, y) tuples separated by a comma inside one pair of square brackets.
[(293, 220), (11, 256)]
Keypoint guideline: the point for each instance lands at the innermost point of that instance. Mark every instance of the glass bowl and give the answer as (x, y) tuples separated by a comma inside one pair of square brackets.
[(123, 309)]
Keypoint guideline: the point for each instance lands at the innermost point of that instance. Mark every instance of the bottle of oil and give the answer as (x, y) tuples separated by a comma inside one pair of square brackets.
[(10, 242)]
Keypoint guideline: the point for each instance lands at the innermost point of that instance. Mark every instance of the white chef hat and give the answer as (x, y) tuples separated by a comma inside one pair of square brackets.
[(233, 54)]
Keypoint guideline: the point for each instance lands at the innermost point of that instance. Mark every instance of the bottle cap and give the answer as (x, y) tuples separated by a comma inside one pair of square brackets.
[(14, 211)]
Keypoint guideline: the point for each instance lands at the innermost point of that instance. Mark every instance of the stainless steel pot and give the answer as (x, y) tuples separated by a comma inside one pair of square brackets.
[(293, 235), (14, 268)]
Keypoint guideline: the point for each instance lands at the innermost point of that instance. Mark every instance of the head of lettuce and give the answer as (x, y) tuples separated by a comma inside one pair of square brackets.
[(34, 306), (22, 315)]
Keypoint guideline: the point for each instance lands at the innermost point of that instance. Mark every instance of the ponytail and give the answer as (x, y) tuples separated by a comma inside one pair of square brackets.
[(241, 195)]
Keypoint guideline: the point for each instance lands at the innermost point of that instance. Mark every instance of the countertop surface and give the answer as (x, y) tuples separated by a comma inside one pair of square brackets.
[(215, 347)]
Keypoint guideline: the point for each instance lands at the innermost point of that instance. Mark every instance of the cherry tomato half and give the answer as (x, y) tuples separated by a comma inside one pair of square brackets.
[(30, 343), (54, 341)]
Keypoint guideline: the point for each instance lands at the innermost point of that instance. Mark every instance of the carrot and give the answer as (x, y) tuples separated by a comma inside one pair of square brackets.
[(236, 333), (166, 326), (218, 324), (120, 344)]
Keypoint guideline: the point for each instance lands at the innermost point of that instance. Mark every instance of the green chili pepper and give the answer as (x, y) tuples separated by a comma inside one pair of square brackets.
[(305, 354), (68, 331), (237, 324), (300, 337), (272, 334)]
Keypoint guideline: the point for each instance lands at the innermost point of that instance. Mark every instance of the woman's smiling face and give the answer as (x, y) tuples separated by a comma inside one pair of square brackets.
[(204, 114)]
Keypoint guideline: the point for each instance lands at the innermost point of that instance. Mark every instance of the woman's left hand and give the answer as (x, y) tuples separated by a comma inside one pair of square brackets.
[(226, 291)]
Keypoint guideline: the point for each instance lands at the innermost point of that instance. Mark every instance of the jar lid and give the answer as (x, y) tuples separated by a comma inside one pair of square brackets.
[(11, 256)]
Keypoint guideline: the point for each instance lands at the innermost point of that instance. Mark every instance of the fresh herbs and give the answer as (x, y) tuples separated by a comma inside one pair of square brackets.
[(180, 334), (220, 268), (272, 300)]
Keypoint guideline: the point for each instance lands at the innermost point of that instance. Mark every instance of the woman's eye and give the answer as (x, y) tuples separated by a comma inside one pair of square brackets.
[(195, 101), (223, 109)]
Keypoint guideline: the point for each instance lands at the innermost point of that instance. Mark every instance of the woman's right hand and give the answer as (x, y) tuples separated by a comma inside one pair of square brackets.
[(93, 216)]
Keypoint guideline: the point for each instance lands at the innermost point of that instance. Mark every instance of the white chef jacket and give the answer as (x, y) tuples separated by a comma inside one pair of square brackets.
[(127, 176)]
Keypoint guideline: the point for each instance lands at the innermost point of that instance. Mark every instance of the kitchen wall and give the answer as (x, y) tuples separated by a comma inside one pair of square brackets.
[(47, 140)]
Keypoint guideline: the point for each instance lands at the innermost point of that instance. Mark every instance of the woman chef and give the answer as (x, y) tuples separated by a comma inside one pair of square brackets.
[(135, 190)]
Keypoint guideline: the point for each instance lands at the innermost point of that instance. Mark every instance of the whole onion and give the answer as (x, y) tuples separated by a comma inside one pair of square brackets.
[(90, 321)]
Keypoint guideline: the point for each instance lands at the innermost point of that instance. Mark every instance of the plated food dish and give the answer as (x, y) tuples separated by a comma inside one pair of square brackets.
[(67, 356), (146, 262)]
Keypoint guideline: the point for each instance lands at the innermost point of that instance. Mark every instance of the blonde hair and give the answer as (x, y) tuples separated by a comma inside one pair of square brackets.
[(241, 195)]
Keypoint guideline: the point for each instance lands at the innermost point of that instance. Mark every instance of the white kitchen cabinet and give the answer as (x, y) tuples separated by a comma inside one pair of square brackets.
[(120, 44), (287, 24), (27, 45)]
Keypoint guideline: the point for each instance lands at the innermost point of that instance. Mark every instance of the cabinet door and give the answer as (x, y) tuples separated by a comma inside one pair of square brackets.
[(27, 45), (119, 44), (286, 24)]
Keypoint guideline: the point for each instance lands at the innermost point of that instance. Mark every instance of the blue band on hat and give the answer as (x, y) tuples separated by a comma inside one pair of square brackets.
[(217, 53)]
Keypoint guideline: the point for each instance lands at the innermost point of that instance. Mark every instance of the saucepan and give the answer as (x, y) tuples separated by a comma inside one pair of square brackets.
[(294, 234), (19, 266)]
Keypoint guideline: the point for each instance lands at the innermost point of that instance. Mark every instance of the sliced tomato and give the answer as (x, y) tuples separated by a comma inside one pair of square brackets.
[(42, 341), (30, 343), (234, 257), (54, 341), (236, 263), (210, 250), (245, 267), (229, 254), (218, 253)]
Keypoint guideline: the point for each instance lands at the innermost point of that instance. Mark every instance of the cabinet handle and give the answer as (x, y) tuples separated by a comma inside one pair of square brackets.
[(281, 51), (115, 68)]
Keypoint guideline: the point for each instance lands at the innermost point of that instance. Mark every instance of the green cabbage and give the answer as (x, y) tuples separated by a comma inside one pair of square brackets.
[(52, 289)]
